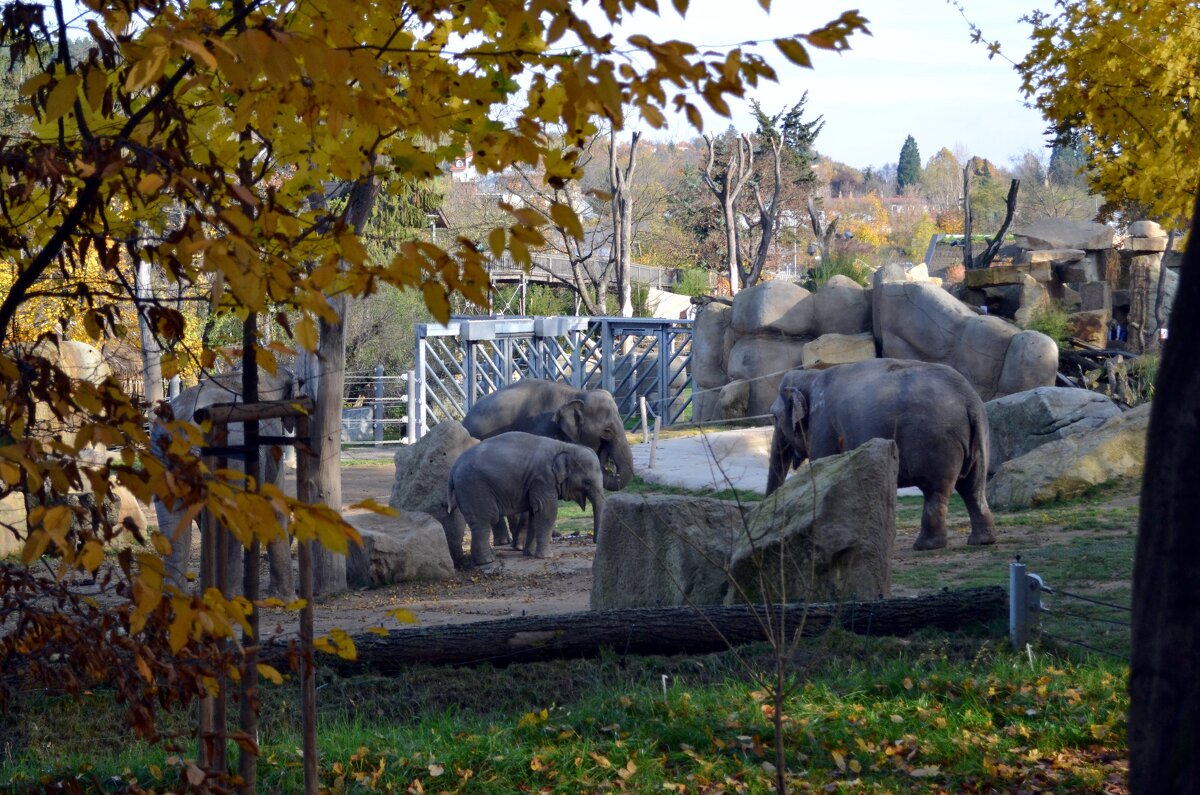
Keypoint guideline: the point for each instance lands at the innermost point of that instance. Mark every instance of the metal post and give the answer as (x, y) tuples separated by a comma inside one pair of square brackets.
[(412, 412), (607, 381), (469, 376), (577, 359), (378, 405), (417, 387), (664, 375), (1024, 604), (645, 425)]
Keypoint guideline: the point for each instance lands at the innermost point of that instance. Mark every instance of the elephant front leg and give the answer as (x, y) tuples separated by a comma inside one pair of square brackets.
[(933, 522)]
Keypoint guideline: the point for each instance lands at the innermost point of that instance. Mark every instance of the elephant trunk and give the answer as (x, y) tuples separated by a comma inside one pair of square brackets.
[(596, 497), (779, 461), (619, 452)]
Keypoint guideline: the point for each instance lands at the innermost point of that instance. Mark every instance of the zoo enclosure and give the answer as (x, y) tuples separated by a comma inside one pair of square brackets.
[(632, 358)]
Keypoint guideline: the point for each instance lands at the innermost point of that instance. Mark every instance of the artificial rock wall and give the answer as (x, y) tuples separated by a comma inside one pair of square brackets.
[(740, 352)]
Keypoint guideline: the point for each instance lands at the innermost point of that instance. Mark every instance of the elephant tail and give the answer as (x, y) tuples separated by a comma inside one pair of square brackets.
[(451, 501), (978, 442)]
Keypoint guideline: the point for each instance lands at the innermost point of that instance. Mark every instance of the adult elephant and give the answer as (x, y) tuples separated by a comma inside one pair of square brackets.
[(587, 417), (518, 473), (227, 388), (935, 417)]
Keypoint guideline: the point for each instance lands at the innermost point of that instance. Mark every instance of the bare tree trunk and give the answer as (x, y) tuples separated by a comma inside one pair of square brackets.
[(727, 188), (1164, 711), (324, 378), (619, 181), (768, 215), (1011, 207), (152, 387), (673, 630), (823, 232), (968, 256)]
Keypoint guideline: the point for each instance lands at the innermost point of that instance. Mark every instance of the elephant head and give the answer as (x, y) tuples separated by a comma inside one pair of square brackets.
[(789, 443), (579, 477), (592, 419)]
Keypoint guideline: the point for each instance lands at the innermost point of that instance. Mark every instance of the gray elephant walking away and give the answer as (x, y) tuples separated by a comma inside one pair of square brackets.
[(930, 410), (515, 473)]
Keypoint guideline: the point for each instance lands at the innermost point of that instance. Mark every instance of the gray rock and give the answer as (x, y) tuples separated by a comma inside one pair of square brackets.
[(1143, 244), (708, 345), (1031, 361), (733, 401), (918, 320), (1060, 233), (1078, 272), (1033, 297), (768, 306), (423, 468), (1095, 296), (832, 525), (841, 306), (1056, 256), (410, 547), (663, 551), (1146, 229), (762, 360), (980, 352), (1023, 421), (1090, 327), (1067, 467), (830, 349)]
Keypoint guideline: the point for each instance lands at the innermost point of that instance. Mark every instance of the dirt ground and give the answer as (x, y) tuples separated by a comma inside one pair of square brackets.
[(562, 582)]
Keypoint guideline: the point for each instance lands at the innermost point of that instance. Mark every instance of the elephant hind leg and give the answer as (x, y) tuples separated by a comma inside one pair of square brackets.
[(501, 533), (973, 490), (933, 522)]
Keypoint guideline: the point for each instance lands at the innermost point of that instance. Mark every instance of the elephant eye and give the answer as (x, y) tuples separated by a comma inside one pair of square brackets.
[(607, 433)]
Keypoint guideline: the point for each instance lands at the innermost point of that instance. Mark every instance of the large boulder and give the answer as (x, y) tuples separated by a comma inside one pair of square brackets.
[(423, 469), (841, 306), (833, 525), (663, 551), (762, 360), (1059, 233), (775, 305), (830, 349), (1068, 467), (1023, 421), (708, 345), (918, 320), (405, 548)]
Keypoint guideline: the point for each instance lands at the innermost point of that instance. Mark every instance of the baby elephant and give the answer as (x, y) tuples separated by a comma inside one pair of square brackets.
[(515, 473)]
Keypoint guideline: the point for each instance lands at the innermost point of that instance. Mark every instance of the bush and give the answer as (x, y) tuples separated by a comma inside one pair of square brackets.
[(837, 265), (693, 282), (1051, 320)]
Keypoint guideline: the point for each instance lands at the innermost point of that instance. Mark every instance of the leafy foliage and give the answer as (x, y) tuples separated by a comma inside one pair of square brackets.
[(215, 143), (1121, 81)]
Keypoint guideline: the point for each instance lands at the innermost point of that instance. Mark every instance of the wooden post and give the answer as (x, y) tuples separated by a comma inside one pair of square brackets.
[(645, 424), (968, 257), (654, 441)]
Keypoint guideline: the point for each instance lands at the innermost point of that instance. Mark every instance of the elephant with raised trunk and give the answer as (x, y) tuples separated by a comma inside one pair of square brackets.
[(935, 417), (516, 473)]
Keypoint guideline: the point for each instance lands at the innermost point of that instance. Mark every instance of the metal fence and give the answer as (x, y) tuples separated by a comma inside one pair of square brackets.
[(1105, 623), (633, 358)]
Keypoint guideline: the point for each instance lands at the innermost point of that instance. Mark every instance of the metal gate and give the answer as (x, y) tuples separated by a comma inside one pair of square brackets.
[(632, 358)]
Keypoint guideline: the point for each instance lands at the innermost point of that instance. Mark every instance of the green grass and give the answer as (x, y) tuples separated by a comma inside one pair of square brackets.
[(867, 715)]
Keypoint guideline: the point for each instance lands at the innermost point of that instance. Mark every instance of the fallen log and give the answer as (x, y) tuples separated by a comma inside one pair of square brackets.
[(675, 630)]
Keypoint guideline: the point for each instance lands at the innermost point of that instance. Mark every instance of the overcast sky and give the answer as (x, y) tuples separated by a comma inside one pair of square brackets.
[(917, 74)]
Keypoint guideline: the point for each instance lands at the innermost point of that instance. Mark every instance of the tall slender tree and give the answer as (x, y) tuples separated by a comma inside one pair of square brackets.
[(908, 170)]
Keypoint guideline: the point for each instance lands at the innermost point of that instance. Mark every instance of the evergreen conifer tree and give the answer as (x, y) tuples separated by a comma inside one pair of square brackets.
[(908, 171)]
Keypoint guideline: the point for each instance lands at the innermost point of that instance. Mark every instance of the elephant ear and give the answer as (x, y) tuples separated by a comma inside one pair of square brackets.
[(799, 411), (561, 467), (569, 419)]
